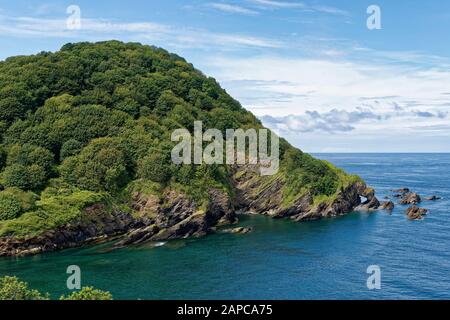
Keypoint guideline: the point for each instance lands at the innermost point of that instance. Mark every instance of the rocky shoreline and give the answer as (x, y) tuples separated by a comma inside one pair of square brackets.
[(175, 216)]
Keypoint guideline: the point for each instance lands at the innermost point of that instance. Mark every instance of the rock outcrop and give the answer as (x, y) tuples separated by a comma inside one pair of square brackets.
[(416, 213), (401, 190), (387, 205), (410, 198), (179, 217), (238, 230), (98, 226), (173, 215)]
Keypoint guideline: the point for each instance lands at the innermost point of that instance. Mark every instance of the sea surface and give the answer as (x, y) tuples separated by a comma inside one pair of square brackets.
[(281, 259)]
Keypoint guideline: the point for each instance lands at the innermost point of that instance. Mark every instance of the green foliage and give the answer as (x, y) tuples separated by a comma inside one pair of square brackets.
[(92, 120), (88, 293), (155, 167), (10, 207), (101, 166), (59, 204), (70, 148), (11, 288), (28, 167)]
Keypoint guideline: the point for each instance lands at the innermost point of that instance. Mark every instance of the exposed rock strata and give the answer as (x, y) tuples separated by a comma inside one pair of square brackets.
[(173, 215), (98, 226)]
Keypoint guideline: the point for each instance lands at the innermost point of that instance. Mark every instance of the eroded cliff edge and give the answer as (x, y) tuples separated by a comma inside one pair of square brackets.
[(173, 215)]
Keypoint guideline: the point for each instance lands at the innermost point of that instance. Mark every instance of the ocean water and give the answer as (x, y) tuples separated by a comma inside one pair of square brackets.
[(281, 259)]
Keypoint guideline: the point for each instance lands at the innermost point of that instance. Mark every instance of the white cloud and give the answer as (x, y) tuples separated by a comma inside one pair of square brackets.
[(93, 29), (272, 4), (232, 8), (278, 4), (299, 95)]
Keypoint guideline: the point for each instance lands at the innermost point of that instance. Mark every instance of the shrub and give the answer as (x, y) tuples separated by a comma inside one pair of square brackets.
[(31, 177), (155, 167), (10, 207), (101, 166), (16, 176), (11, 288), (88, 293)]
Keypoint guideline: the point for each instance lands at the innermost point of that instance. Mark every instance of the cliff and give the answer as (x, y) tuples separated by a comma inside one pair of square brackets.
[(86, 154)]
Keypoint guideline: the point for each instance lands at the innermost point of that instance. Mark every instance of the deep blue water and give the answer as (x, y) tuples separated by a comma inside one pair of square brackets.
[(281, 259)]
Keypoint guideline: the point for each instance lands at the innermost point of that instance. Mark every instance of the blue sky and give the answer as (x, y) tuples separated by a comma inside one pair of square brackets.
[(311, 70)]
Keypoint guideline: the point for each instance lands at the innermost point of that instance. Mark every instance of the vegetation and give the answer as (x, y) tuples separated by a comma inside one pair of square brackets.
[(11, 288), (88, 293), (92, 122)]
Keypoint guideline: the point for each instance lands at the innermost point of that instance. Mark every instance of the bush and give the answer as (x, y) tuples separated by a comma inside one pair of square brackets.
[(101, 166), (155, 167), (31, 177), (16, 176), (10, 207), (70, 148), (88, 293), (11, 288)]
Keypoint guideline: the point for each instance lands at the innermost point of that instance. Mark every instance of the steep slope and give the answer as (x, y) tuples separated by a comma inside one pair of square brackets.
[(85, 153)]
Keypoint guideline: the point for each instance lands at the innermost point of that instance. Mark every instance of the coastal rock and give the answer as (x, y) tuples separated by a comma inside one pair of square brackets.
[(416, 213), (180, 217), (99, 225), (401, 190), (432, 198), (410, 198), (371, 202), (387, 205), (239, 230)]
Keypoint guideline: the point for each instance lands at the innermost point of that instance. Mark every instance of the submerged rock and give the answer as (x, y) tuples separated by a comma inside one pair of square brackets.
[(239, 230), (410, 198), (401, 190), (432, 198), (416, 213)]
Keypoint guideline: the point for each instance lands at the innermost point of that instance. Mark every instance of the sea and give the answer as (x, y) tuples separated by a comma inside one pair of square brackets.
[(362, 255)]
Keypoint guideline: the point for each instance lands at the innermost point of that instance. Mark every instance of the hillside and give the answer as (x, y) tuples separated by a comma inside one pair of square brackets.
[(85, 153)]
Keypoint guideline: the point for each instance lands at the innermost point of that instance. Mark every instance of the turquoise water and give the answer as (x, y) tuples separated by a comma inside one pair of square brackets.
[(281, 259)]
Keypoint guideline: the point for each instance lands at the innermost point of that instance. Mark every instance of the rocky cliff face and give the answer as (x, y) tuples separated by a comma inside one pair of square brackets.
[(174, 215)]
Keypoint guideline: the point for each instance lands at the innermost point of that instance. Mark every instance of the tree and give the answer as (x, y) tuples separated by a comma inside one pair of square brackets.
[(101, 166), (70, 148), (155, 167), (16, 175), (11, 288)]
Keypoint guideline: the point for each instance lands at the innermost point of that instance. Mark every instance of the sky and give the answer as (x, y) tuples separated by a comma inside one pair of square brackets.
[(313, 71)]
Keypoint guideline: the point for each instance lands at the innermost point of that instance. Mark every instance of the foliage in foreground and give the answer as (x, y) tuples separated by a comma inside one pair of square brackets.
[(11, 288)]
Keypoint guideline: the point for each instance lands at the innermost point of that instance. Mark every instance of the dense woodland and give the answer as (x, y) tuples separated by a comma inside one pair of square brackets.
[(92, 122)]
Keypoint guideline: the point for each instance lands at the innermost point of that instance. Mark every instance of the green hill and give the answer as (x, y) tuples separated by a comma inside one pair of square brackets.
[(85, 153)]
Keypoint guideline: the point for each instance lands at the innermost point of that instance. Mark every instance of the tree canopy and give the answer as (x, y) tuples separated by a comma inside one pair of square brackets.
[(86, 121)]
